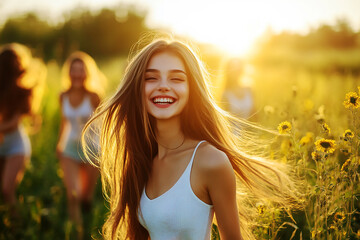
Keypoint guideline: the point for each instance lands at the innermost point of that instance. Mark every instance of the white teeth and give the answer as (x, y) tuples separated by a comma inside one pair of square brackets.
[(163, 100)]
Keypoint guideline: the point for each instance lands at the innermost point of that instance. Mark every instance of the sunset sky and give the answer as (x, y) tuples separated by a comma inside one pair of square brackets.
[(233, 25)]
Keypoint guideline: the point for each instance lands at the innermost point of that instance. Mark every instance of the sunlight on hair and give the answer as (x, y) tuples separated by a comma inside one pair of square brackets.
[(128, 143)]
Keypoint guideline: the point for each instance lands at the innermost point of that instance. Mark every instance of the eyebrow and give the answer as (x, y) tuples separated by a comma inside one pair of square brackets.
[(172, 70)]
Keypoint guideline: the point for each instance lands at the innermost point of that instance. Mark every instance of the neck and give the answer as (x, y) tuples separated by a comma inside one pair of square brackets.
[(77, 89), (169, 135)]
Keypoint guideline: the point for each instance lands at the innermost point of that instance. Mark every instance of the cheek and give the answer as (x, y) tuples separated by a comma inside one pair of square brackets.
[(83, 76), (184, 91), (147, 90), (146, 95), (78, 74)]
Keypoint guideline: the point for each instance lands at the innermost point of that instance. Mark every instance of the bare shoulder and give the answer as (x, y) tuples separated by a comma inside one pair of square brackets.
[(94, 98), (212, 160), (62, 95)]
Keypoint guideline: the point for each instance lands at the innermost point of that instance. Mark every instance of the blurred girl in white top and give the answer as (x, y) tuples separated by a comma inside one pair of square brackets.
[(84, 82), (149, 130), (237, 98)]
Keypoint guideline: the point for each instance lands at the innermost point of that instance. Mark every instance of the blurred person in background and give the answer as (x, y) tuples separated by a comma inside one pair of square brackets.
[(237, 98), (21, 78), (84, 82)]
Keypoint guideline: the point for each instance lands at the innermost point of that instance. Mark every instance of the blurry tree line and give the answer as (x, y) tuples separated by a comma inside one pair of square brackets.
[(104, 34), (330, 48)]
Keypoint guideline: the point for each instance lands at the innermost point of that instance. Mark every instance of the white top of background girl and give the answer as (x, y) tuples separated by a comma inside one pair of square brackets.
[(239, 102), (77, 116), (238, 97)]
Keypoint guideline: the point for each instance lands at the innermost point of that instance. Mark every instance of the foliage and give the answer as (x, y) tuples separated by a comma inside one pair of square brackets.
[(104, 34), (325, 48), (323, 149)]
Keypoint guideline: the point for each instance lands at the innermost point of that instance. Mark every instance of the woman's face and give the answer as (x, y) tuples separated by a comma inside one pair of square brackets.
[(166, 86), (77, 74)]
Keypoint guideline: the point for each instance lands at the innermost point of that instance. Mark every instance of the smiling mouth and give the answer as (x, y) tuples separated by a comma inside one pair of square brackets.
[(163, 100)]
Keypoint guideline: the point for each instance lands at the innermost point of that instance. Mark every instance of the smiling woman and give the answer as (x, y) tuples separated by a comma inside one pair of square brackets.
[(170, 157), (166, 86)]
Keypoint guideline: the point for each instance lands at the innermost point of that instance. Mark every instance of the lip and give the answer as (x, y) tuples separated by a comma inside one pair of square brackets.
[(163, 105)]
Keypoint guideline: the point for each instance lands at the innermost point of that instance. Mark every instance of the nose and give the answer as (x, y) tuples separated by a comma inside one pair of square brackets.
[(163, 86)]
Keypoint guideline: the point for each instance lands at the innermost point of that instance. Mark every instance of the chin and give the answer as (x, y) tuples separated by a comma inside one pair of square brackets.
[(162, 117), (159, 116)]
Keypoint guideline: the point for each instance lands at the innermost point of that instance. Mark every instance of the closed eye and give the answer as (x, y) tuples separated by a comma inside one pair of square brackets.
[(178, 79), (150, 79)]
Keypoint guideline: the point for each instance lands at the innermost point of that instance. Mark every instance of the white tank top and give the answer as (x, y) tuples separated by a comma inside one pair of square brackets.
[(177, 214), (241, 107), (77, 116)]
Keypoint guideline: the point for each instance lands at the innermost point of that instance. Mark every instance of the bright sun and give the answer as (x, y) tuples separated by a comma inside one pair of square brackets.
[(234, 26)]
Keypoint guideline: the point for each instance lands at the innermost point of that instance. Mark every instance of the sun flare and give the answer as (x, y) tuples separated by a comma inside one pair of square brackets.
[(234, 26)]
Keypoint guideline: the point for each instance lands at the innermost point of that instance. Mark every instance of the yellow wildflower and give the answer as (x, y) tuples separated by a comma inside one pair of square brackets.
[(269, 109), (348, 134), (320, 115), (315, 156), (345, 151), (358, 232), (326, 128), (333, 227), (313, 234), (345, 165), (339, 216), (284, 127), (352, 100), (325, 145), (261, 209), (309, 136), (304, 140)]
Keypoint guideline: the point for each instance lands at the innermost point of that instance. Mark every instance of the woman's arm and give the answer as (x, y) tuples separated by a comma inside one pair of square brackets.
[(10, 124), (221, 185), (60, 143), (95, 100)]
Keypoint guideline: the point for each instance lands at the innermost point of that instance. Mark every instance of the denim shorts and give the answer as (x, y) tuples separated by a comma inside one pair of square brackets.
[(74, 151), (15, 143)]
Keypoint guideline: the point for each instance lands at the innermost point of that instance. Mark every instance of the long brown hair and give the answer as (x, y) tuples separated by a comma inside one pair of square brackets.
[(14, 99), (128, 144)]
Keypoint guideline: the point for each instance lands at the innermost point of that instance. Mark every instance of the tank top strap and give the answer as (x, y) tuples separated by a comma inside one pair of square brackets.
[(189, 167), (66, 102), (87, 99), (86, 103)]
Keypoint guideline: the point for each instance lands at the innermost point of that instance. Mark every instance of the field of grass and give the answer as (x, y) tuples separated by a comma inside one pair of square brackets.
[(311, 102), (322, 146)]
